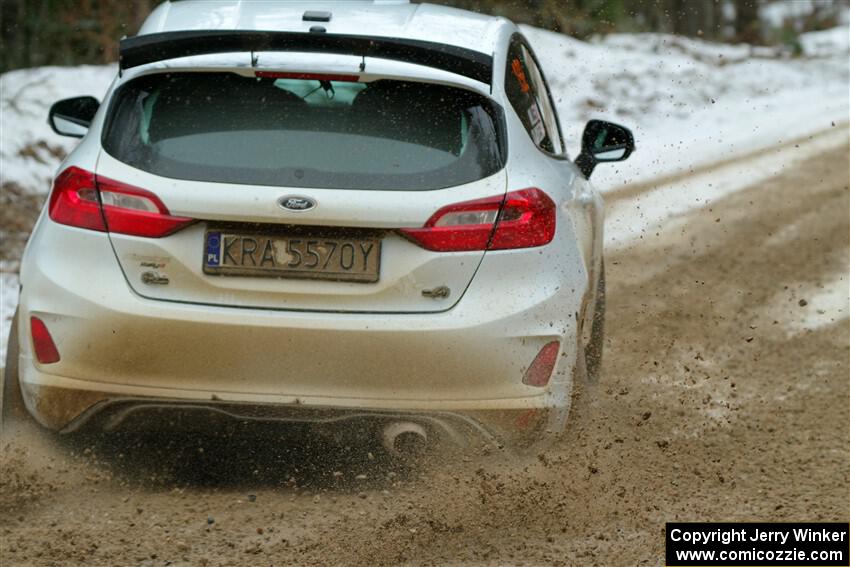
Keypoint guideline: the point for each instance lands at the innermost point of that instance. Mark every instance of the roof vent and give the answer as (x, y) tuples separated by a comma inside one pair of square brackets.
[(316, 16)]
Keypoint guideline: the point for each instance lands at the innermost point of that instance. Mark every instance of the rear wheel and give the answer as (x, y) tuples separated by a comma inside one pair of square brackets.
[(593, 350), (12, 406)]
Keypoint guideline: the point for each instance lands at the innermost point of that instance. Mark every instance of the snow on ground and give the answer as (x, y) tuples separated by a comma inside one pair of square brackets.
[(628, 221), (827, 42), (30, 151), (811, 307), (689, 103), (777, 13), (8, 302)]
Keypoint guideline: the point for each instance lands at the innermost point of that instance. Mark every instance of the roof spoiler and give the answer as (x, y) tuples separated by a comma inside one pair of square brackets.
[(148, 48)]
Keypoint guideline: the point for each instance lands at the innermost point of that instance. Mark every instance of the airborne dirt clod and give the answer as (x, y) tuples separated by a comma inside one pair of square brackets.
[(708, 408)]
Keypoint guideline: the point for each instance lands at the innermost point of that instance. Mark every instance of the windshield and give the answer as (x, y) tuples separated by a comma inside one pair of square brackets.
[(223, 127)]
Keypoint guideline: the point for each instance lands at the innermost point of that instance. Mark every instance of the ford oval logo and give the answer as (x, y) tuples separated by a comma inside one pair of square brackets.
[(296, 204)]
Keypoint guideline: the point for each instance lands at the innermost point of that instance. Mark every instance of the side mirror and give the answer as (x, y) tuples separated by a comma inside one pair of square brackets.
[(73, 116), (603, 142)]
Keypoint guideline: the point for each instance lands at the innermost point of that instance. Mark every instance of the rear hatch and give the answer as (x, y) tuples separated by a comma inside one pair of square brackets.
[(286, 191)]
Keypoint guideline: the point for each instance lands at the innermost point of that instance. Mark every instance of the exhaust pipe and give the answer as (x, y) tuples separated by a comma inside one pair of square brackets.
[(404, 439)]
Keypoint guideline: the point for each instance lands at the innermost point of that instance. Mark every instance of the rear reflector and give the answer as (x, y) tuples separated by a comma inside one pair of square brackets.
[(540, 371), (520, 219), (82, 200), (42, 342)]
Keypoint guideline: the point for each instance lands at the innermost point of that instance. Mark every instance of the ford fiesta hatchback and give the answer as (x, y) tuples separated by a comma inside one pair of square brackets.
[(348, 213)]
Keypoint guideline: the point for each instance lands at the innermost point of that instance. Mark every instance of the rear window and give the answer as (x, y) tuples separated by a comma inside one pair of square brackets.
[(385, 135)]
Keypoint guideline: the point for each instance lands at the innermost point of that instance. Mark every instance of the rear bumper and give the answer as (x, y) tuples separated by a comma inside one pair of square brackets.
[(116, 346), (71, 410)]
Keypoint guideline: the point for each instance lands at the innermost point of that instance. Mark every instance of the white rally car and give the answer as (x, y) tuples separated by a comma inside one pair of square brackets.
[(350, 213)]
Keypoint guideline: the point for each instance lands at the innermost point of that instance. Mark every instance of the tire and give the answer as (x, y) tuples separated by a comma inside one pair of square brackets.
[(593, 350), (12, 405)]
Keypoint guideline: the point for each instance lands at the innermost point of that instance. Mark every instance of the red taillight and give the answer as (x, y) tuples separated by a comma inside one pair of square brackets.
[(81, 199), (520, 219), (540, 371), (134, 211), (42, 342), (527, 220), (457, 228), (74, 200)]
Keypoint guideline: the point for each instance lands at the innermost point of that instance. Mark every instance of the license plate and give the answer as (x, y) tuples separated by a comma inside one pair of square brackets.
[(292, 256)]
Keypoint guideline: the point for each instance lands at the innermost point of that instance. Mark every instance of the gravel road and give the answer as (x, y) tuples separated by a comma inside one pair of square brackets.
[(724, 395)]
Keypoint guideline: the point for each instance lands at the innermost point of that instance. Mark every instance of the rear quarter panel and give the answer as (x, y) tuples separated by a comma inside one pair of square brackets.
[(567, 268)]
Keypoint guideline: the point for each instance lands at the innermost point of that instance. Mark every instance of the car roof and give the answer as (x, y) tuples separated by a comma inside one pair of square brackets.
[(381, 18)]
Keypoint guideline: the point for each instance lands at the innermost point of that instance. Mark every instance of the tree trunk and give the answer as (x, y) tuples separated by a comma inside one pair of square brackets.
[(747, 25)]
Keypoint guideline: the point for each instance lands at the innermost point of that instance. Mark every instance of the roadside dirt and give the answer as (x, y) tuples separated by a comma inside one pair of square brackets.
[(18, 212), (709, 408)]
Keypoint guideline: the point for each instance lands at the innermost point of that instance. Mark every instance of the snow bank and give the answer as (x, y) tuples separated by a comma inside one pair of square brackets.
[(778, 12), (29, 150), (826, 43), (691, 102), (8, 303)]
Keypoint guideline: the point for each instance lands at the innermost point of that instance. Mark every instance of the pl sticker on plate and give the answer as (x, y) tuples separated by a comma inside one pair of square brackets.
[(213, 255)]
